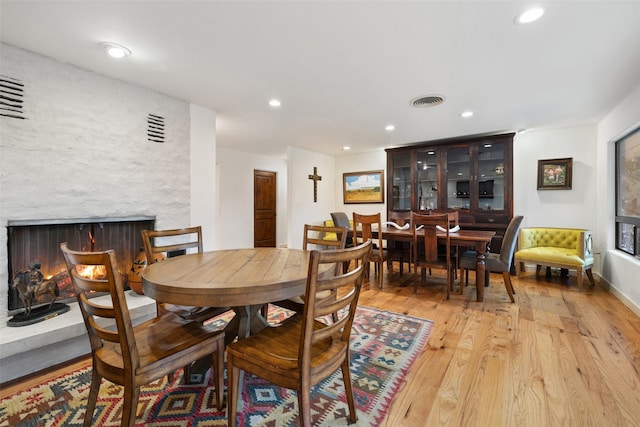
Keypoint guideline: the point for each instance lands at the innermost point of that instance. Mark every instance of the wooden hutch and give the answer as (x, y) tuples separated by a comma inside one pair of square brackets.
[(471, 175)]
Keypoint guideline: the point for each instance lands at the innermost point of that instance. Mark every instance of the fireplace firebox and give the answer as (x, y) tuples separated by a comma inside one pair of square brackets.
[(38, 242)]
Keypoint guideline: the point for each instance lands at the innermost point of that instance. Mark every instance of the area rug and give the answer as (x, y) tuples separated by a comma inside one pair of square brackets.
[(383, 347)]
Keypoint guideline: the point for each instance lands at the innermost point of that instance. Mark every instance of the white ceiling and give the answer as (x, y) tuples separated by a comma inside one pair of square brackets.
[(345, 69)]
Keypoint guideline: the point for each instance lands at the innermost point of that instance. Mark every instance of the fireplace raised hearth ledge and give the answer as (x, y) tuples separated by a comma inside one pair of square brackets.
[(29, 349)]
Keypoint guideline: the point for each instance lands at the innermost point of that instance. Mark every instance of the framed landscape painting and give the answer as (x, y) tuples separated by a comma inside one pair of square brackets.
[(555, 174), (363, 187)]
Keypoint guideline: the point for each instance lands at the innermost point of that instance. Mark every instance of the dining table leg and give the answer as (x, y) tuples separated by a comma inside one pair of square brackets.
[(250, 320), (247, 320)]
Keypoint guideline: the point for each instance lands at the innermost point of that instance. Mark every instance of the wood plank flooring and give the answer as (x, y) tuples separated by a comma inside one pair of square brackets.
[(559, 356)]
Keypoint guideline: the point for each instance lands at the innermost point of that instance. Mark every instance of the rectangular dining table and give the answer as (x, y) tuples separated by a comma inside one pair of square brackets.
[(479, 240)]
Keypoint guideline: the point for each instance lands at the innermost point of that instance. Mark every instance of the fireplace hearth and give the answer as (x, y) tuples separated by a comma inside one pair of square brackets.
[(38, 242)]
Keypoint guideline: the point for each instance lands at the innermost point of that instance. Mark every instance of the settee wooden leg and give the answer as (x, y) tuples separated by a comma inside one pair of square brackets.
[(579, 275), (590, 275)]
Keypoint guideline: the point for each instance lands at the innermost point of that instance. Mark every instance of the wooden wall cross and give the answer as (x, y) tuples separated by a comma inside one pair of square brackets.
[(315, 177)]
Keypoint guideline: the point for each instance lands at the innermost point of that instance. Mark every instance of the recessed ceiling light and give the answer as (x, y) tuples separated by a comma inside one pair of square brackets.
[(529, 15), (115, 50), (275, 102), (346, 148), (390, 128), (466, 114)]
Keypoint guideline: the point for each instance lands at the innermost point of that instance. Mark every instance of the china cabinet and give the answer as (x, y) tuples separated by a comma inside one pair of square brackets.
[(471, 175)]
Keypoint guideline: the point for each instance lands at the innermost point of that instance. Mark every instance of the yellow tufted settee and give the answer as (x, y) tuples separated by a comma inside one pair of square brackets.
[(568, 248)]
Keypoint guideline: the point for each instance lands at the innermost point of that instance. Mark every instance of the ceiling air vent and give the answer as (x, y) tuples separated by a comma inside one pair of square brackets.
[(427, 101), (11, 97), (155, 128)]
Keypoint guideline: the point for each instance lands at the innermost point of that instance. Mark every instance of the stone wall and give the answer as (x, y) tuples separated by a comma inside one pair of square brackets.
[(82, 150)]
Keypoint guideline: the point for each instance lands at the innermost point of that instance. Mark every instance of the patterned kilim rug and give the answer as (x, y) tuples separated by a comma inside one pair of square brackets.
[(383, 348)]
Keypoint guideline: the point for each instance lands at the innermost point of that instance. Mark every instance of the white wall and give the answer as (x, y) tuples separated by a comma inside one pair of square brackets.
[(83, 150), (234, 224), (619, 270), (203, 172), (575, 208), (301, 207), (295, 205), (375, 160)]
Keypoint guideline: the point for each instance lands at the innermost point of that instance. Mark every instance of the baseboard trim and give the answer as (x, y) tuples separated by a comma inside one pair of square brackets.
[(621, 296)]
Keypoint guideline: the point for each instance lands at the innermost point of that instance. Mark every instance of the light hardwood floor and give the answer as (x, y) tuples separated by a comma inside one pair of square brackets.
[(559, 356)]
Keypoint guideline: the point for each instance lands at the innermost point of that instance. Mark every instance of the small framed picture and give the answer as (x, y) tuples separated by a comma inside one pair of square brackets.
[(555, 174), (363, 187)]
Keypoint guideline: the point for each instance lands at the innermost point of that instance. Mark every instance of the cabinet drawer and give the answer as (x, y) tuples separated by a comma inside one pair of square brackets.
[(492, 219)]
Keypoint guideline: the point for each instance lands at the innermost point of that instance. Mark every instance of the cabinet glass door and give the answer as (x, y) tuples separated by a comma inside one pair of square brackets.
[(491, 177), (401, 181), (458, 178), (427, 167)]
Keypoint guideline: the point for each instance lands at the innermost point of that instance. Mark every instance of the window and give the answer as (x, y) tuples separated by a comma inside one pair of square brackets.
[(628, 193)]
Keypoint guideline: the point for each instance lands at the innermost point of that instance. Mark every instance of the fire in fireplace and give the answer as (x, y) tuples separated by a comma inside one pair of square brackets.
[(38, 242)]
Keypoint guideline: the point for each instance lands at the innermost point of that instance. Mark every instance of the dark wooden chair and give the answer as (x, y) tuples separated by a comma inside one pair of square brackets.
[(364, 224), (133, 356), (426, 250), (495, 263), (454, 220), (316, 237), (399, 251), (302, 351)]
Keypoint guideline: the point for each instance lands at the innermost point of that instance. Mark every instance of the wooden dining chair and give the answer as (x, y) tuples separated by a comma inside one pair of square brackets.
[(364, 224), (398, 250), (454, 221), (176, 242), (426, 252), (128, 355), (316, 237), (495, 263), (306, 348)]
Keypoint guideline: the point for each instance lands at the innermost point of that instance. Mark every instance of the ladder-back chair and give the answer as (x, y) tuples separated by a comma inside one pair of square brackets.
[(128, 355)]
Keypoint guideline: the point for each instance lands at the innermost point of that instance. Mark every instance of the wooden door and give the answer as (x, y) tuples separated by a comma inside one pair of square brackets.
[(264, 209)]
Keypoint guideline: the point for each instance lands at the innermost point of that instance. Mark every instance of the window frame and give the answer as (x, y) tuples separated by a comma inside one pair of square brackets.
[(620, 219)]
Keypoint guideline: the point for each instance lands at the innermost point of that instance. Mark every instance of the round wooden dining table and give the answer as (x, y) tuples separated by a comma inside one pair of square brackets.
[(243, 279)]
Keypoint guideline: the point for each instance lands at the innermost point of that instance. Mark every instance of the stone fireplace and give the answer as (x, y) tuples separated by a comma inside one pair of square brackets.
[(82, 152)]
